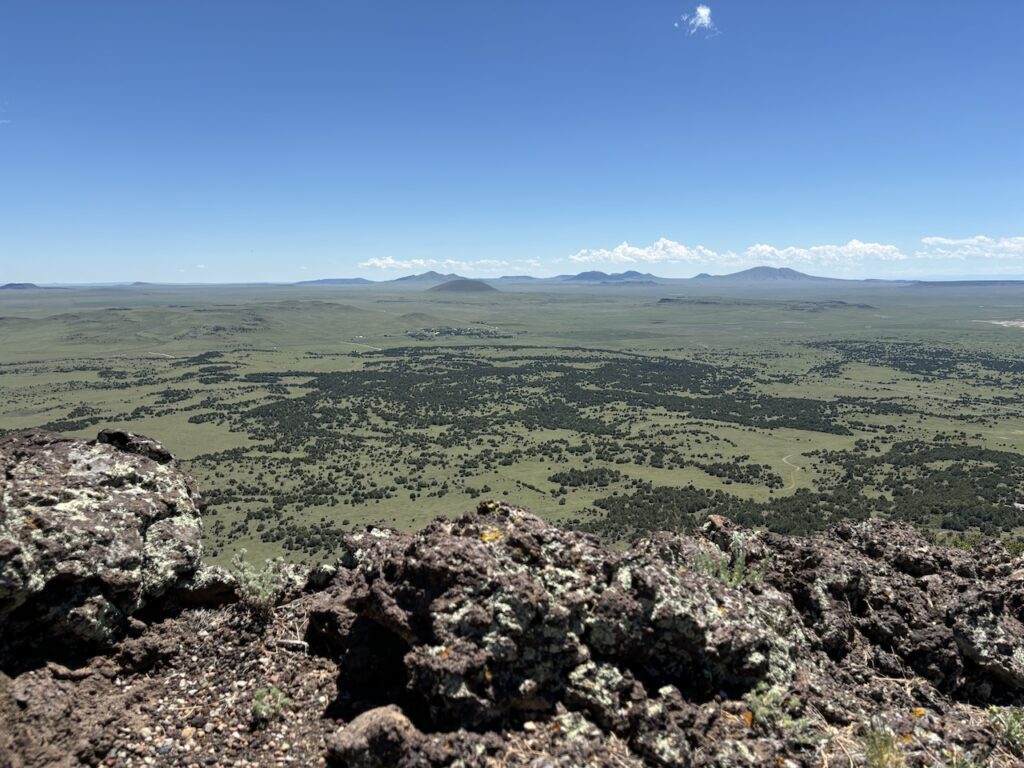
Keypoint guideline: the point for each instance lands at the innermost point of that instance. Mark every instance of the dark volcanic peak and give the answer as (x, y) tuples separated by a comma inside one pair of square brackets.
[(464, 285), (763, 274), (18, 287), (596, 276), (428, 277), (337, 281)]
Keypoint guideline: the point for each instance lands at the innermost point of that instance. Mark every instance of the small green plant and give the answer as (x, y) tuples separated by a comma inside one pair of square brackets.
[(268, 704), (258, 588), (733, 571), (768, 707), (771, 710), (1008, 722), (882, 748)]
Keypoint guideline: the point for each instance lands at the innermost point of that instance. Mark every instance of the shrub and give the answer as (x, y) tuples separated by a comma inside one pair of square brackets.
[(772, 710), (881, 747), (1009, 724), (733, 570), (258, 588)]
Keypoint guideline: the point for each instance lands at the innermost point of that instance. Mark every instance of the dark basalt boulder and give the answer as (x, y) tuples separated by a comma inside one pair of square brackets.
[(90, 532), (498, 618), (496, 621), (880, 591)]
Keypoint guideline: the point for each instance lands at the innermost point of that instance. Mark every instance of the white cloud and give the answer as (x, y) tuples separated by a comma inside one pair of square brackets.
[(849, 255), (698, 21), (666, 251), (977, 247), (389, 262), (831, 255), (663, 251)]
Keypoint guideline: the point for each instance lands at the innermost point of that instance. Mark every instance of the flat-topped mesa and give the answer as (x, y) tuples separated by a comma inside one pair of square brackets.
[(90, 533)]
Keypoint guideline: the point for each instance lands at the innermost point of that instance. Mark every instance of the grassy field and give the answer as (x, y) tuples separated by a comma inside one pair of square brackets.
[(305, 411)]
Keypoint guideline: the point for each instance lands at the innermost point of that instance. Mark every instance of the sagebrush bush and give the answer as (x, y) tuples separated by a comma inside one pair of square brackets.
[(258, 588), (732, 570), (882, 748), (1009, 724)]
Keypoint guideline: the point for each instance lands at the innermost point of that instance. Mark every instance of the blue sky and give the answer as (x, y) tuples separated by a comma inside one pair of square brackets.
[(250, 140)]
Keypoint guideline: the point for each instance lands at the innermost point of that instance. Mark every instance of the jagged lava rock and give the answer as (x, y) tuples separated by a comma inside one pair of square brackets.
[(498, 617), (879, 591), (89, 533), (491, 639)]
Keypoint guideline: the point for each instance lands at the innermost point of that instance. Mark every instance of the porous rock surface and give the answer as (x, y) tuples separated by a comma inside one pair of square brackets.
[(497, 639), (90, 532)]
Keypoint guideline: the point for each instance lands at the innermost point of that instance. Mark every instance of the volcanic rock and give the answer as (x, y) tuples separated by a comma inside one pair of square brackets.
[(89, 534), (491, 639)]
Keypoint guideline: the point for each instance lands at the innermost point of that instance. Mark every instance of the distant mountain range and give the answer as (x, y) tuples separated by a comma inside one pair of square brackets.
[(767, 274), (764, 275), (25, 287), (604, 277), (428, 278)]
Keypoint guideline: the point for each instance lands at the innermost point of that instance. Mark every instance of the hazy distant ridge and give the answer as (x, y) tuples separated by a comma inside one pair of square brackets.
[(762, 274)]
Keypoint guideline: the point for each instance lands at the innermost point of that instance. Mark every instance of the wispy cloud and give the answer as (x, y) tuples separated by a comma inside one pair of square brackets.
[(389, 262), (698, 21), (666, 251), (977, 247), (854, 251), (834, 256), (6, 122), (663, 251)]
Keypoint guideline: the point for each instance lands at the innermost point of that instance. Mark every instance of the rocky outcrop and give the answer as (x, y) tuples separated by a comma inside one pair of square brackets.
[(490, 639), (880, 590), (497, 618), (90, 532)]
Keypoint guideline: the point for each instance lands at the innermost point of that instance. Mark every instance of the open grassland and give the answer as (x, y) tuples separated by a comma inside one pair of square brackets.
[(305, 411)]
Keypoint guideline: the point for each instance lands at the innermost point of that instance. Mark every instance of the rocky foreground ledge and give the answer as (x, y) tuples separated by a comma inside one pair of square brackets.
[(493, 639)]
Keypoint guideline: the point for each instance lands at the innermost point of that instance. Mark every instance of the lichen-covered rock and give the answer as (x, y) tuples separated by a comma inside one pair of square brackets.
[(879, 591), (499, 640), (498, 617), (89, 533), (990, 637)]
